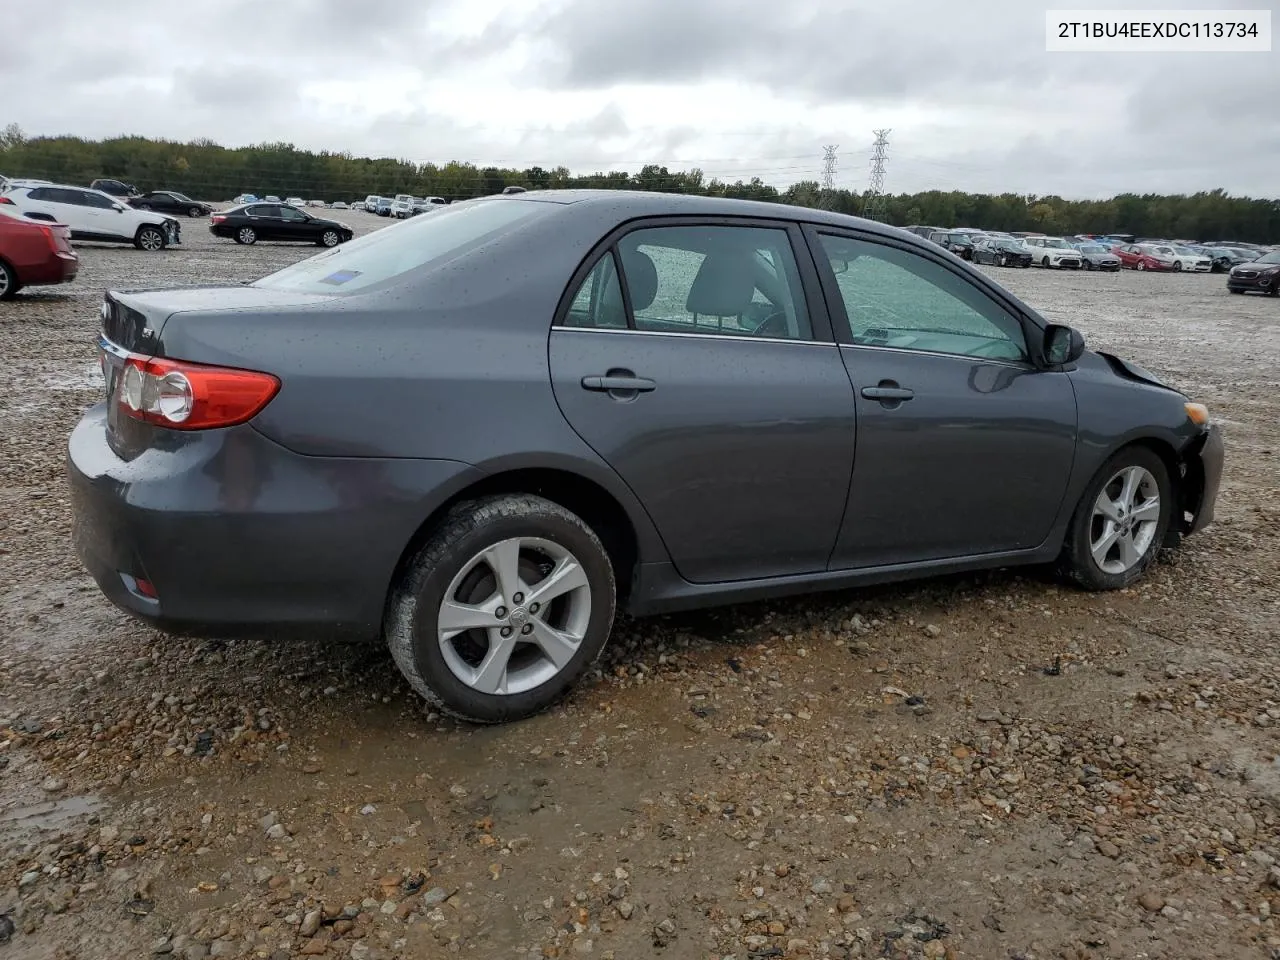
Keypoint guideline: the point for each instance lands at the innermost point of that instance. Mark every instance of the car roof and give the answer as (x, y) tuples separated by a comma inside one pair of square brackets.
[(642, 203)]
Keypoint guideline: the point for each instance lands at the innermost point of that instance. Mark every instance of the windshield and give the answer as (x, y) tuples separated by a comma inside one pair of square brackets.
[(1272, 257), (1092, 248), (393, 251)]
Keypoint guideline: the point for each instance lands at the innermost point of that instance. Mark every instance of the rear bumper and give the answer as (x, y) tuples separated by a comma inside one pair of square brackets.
[(59, 268), (236, 533), (1202, 461)]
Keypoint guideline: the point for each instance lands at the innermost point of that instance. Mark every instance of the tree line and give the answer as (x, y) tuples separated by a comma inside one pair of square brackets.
[(208, 171)]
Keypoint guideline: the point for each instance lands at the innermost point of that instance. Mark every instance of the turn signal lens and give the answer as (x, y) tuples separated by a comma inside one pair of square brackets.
[(1197, 413)]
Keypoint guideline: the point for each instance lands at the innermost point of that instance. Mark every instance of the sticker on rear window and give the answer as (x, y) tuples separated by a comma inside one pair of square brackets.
[(339, 277)]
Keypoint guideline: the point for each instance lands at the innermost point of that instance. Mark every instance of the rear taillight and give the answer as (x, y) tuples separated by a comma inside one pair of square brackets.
[(8, 201), (51, 237), (217, 218), (192, 396)]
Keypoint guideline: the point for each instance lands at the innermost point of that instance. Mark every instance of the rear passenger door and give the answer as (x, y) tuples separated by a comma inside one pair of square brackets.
[(693, 357), (265, 219)]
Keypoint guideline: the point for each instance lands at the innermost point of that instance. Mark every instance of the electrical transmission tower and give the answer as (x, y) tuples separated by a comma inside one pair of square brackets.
[(829, 167), (875, 205)]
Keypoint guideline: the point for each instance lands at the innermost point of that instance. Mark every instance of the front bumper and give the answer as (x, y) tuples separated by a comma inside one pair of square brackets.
[(1260, 283), (1202, 462), (236, 533)]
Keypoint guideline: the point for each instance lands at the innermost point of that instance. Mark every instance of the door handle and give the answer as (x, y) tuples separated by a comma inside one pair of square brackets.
[(887, 392), (621, 384)]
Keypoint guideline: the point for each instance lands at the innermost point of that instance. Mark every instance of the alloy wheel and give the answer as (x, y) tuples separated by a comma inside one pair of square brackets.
[(514, 616), (1126, 515), (6, 281), (330, 238), (151, 239)]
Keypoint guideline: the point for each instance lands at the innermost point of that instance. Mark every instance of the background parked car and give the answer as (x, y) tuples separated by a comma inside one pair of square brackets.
[(245, 198), (294, 201), (1186, 259), (1001, 252), (382, 206), (1141, 256), (93, 215), (1260, 276), (33, 254), (168, 201), (1096, 256), (1053, 252), (402, 206), (115, 188), (274, 221)]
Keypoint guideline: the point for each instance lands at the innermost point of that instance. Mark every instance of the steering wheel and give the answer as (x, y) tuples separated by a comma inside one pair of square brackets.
[(774, 325)]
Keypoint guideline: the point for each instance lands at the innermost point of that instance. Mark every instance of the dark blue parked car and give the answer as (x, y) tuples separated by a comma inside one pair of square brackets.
[(481, 432)]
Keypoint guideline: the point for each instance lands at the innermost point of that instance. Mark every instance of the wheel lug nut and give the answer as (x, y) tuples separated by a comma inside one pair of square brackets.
[(527, 628), (518, 598), (500, 612), (505, 631), (533, 607)]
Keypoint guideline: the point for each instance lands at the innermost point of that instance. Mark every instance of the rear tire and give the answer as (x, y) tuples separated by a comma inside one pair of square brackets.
[(9, 284), (479, 673), (1120, 523), (247, 236)]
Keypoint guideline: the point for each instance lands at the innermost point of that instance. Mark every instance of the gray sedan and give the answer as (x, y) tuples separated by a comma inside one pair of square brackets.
[(1097, 256), (482, 433)]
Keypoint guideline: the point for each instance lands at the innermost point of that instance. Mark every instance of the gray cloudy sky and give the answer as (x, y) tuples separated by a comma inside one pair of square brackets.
[(739, 88)]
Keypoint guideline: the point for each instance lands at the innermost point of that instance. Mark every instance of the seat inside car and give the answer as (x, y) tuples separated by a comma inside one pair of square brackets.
[(722, 288)]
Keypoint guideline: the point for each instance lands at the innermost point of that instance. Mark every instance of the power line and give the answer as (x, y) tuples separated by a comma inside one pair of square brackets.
[(875, 206)]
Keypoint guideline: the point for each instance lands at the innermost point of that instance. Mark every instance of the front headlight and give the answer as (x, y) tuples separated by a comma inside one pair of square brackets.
[(1197, 413)]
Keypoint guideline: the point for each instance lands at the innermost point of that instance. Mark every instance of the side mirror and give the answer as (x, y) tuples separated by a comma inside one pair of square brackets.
[(1062, 344)]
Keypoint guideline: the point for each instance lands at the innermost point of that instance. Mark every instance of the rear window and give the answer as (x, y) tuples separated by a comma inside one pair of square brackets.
[(393, 251)]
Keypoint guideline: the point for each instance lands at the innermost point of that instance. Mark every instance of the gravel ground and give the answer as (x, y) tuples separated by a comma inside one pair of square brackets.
[(991, 766)]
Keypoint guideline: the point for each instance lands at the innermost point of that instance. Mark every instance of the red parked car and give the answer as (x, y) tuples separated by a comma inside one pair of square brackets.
[(1142, 256), (34, 254)]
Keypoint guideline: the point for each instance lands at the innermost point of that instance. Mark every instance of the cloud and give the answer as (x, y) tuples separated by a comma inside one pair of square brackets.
[(738, 88)]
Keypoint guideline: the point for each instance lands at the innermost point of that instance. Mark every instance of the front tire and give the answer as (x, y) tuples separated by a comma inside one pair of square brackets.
[(150, 239), (1045, 263), (330, 238), (194, 212), (502, 609), (1120, 522), (1141, 265), (1177, 266)]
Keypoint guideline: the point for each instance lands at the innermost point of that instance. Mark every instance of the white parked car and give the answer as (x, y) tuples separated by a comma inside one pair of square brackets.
[(402, 206), (371, 203), (1184, 259), (94, 215), (271, 198), (339, 205), (294, 201), (1052, 252)]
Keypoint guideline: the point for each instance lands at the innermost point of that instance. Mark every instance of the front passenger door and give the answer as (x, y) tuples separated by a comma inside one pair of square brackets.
[(964, 445), (295, 225)]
